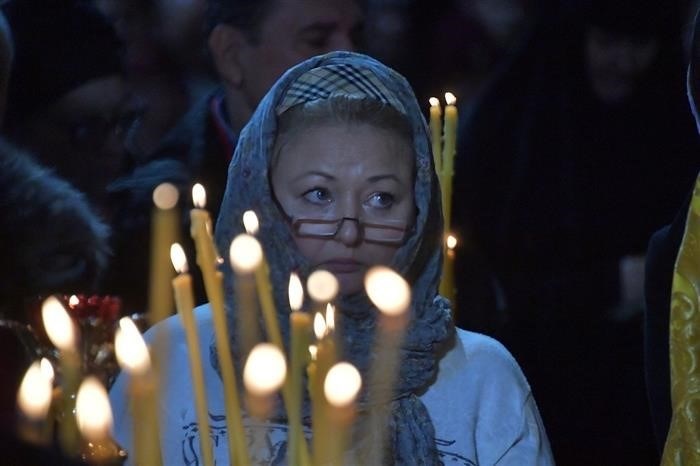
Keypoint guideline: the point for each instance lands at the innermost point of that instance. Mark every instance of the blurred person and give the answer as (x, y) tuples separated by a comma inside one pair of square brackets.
[(52, 242), (166, 60), (251, 44), (568, 161), (6, 56), (68, 102)]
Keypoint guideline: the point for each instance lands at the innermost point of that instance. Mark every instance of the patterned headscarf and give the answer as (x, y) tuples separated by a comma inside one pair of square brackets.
[(418, 260)]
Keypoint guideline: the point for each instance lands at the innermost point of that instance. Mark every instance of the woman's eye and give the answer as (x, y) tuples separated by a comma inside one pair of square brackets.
[(381, 200), (318, 196)]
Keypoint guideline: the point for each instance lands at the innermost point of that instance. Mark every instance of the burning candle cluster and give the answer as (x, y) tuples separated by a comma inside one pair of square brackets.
[(271, 371), (444, 146)]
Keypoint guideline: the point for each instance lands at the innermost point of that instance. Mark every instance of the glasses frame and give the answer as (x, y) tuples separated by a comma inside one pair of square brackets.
[(296, 224)]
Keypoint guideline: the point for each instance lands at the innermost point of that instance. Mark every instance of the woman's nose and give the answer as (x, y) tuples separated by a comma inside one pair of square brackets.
[(349, 232)]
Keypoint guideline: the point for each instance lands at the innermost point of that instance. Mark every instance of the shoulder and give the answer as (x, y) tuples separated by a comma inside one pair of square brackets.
[(482, 406), (189, 131), (487, 360)]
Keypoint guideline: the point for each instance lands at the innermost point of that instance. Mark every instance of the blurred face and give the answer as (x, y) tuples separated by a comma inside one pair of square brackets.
[(361, 176), (84, 134), (616, 64), (293, 31)]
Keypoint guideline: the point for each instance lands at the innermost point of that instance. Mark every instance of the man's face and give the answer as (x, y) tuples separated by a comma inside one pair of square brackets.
[(616, 63), (293, 31), (84, 134)]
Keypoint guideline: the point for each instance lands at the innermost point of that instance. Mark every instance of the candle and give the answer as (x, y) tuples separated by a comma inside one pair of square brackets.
[(62, 332), (184, 301), (322, 287), (262, 283), (133, 357), (94, 416), (165, 227), (34, 401), (207, 259), (325, 359), (341, 386), (263, 374), (392, 296), (436, 132), (300, 324), (448, 155), (207, 256), (447, 282), (245, 255), (250, 222)]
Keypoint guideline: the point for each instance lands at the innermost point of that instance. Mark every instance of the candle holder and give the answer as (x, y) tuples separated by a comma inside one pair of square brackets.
[(104, 453)]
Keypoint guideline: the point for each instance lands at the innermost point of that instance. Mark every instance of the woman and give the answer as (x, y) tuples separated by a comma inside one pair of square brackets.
[(336, 162)]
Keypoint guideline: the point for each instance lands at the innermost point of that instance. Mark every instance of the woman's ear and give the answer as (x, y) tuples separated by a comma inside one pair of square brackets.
[(225, 45)]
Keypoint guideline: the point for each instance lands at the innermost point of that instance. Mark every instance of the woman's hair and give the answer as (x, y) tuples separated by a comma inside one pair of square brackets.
[(340, 110)]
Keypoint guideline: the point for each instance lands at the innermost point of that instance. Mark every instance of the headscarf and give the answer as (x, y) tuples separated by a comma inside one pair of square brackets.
[(418, 260)]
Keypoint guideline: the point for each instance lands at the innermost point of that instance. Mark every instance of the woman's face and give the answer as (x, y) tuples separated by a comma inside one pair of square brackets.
[(357, 174)]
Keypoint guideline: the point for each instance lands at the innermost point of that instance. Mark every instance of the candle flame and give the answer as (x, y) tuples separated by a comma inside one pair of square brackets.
[(178, 258), (451, 242), (330, 317), (73, 301), (250, 222), (387, 290), (58, 324), (450, 98), (313, 350), (434, 101), (342, 384), (92, 410), (265, 370), (199, 196), (322, 286), (165, 196), (47, 369), (245, 253), (320, 327), (34, 396), (296, 292), (130, 348)]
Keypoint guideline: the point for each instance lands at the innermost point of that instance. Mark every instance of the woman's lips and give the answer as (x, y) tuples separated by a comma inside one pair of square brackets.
[(342, 266)]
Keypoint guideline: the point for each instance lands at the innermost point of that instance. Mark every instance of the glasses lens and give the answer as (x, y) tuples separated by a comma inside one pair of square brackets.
[(316, 228), (384, 234)]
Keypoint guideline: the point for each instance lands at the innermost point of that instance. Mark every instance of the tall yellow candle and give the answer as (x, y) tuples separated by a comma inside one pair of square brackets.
[(94, 416), (207, 259), (436, 132), (34, 401), (63, 334), (184, 301), (447, 282), (325, 359), (264, 374), (134, 358), (448, 154), (263, 285), (300, 324), (245, 255), (341, 386), (165, 227), (201, 232), (392, 296)]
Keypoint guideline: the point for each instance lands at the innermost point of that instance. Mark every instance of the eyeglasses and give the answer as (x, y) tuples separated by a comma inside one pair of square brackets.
[(390, 233)]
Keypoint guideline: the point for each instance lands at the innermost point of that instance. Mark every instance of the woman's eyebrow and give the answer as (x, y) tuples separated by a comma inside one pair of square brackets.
[(388, 176), (325, 175)]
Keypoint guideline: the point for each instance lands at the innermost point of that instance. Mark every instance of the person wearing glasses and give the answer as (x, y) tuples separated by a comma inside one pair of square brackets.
[(336, 163)]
